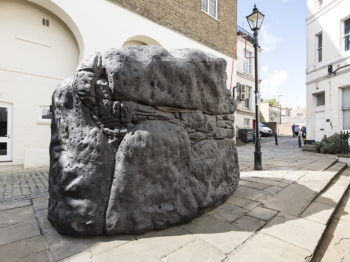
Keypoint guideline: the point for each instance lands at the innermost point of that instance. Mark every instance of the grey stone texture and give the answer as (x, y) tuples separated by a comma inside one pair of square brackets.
[(141, 139)]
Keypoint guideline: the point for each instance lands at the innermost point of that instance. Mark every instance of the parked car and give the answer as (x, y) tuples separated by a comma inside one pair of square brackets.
[(264, 130)]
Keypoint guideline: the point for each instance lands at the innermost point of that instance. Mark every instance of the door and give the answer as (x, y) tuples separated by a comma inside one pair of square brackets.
[(5, 132), (320, 126)]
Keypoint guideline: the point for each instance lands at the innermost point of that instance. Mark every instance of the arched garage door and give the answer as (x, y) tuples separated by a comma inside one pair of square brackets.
[(37, 51)]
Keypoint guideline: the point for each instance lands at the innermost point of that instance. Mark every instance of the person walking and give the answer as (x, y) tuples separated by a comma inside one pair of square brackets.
[(293, 126), (296, 130), (303, 133)]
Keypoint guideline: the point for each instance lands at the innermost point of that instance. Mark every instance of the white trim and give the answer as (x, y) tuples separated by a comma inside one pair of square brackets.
[(208, 11), (8, 138)]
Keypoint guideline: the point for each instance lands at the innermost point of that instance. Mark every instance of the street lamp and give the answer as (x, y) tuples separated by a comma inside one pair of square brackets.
[(280, 108), (255, 21)]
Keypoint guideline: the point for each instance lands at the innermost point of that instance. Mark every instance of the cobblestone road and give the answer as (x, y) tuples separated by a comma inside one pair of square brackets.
[(23, 183)]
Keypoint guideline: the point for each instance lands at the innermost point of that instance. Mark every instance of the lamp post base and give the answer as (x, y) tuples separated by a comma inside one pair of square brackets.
[(257, 161)]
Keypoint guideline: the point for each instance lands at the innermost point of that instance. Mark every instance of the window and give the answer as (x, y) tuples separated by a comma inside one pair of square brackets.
[(346, 108), (46, 22), (347, 34), (45, 113), (247, 66), (320, 98), (210, 7), (246, 121), (319, 47)]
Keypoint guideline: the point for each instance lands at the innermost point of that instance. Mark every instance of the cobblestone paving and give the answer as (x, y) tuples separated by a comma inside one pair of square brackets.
[(23, 184)]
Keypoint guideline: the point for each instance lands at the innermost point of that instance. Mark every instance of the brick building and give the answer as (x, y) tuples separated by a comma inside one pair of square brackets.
[(44, 40)]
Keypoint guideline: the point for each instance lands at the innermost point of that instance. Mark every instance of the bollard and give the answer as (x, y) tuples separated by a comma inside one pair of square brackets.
[(299, 141), (276, 140)]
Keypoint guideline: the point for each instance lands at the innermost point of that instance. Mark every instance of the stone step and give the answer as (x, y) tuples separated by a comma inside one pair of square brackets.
[(296, 238), (309, 147), (293, 199), (322, 209)]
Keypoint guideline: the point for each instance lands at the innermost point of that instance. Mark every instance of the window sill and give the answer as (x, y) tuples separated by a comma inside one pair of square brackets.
[(43, 122), (218, 20)]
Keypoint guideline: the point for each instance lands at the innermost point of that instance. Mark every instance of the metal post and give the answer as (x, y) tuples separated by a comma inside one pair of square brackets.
[(276, 139), (257, 153), (299, 141)]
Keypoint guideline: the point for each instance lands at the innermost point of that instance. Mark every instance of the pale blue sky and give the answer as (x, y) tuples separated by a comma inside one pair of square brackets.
[(283, 40)]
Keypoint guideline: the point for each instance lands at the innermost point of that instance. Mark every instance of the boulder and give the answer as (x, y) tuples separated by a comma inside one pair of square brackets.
[(141, 139)]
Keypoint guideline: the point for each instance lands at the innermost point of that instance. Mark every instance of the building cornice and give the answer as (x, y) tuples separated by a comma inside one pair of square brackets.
[(322, 10), (245, 76), (326, 64), (327, 77)]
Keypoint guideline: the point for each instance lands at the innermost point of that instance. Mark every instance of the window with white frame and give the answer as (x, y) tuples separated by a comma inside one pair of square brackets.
[(346, 108), (347, 34), (247, 66), (210, 7), (45, 113), (319, 47), (246, 121)]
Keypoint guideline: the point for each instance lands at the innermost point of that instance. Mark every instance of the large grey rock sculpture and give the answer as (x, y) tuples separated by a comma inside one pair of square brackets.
[(141, 140)]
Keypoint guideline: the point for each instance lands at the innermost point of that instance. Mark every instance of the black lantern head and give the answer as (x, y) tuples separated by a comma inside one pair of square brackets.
[(255, 19)]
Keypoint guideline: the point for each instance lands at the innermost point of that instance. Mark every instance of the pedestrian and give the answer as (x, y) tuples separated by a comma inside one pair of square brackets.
[(303, 133), (293, 126), (296, 130)]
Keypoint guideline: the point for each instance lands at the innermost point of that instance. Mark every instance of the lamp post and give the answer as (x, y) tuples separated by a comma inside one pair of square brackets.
[(255, 20), (280, 108)]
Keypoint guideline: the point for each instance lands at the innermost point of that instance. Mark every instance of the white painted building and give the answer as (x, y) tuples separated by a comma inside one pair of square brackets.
[(328, 67), (42, 41), (244, 93)]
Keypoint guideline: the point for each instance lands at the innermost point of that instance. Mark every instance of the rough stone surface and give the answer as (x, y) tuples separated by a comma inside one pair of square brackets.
[(141, 140)]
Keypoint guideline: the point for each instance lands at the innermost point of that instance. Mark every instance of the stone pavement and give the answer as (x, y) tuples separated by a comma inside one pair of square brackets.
[(18, 183), (278, 214)]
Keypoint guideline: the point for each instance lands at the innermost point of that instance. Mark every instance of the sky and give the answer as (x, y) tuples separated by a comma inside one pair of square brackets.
[(283, 42)]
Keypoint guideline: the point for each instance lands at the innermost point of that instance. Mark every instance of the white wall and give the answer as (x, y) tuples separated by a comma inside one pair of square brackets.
[(34, 58), (327, 19), (246, 79), (29, 73)]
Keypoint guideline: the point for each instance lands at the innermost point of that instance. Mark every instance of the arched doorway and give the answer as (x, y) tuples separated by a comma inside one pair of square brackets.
[(140, 40), (38, 51)]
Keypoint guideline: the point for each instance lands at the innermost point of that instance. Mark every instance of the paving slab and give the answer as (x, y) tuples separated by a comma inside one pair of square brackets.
[(228, 212), (291, 200), (250, 224), (218, 233), (273, 190), (264, 248), (265, 181), (40, 203), (43, 256), (16, 216), (255, 185), (165, 241), (249, 193), (14, 204), (318, 180), (262, 213), (239, 201), (22, 249), (18, 232), (297, 231), (196, 251), (320, 164), (318, 212), (65, 246), (129, 252)]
